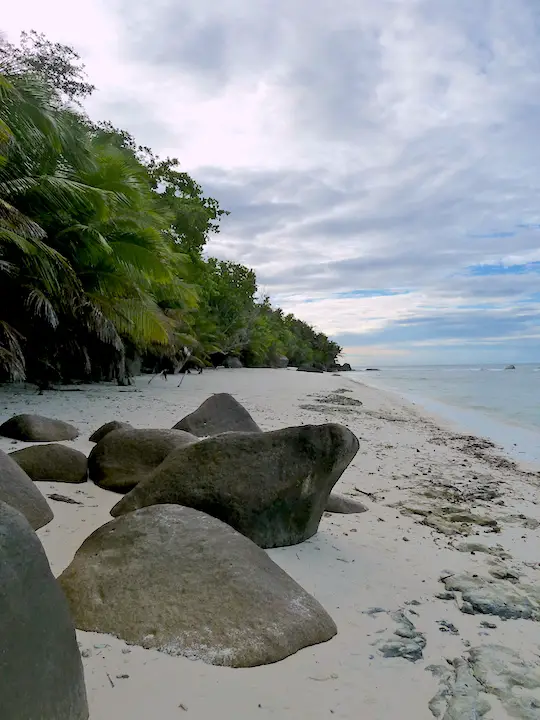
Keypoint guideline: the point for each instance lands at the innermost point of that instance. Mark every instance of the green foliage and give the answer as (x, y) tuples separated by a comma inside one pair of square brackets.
[(101, 243), (58, 64)]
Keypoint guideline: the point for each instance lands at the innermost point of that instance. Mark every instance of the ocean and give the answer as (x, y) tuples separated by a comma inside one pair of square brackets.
[(502, 405)]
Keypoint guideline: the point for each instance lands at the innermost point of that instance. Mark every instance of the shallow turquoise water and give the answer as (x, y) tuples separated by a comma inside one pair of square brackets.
[(503, 405)]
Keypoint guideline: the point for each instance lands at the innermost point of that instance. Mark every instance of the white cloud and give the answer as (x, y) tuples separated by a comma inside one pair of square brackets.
[(358, 144)]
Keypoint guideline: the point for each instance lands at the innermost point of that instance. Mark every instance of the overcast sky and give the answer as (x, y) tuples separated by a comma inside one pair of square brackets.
[(380, 159)]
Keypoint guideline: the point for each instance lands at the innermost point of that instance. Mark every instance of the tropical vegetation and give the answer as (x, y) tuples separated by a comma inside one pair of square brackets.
[(102, 244)]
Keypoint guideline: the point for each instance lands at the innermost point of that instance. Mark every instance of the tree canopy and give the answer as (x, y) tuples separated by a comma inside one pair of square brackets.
[(102, 243)]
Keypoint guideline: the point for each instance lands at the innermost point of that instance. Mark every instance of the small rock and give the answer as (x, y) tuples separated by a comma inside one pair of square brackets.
[(449, 627), (374, 611), (339, 504)]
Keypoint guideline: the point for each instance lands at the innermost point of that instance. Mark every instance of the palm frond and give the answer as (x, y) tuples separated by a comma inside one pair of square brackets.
[(54, 191), (11, 352), (142, 258), (139, 319), (13, 219), (40, 305), (100, 325)]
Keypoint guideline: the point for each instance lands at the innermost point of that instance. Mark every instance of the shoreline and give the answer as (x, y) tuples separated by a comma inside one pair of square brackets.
[(518, 441), (431, 493)]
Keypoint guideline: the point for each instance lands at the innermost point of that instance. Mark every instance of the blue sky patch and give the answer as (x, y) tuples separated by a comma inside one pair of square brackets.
[(373, 292), (500, 269)]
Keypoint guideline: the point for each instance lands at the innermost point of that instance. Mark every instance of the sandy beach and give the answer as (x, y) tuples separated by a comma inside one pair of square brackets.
[(440, 505)]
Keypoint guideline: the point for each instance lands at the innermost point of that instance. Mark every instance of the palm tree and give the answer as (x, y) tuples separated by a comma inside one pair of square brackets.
[(85, 245), (38, 150)]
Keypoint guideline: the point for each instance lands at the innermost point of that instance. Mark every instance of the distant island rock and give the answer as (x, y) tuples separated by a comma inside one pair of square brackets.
[(372, 370)]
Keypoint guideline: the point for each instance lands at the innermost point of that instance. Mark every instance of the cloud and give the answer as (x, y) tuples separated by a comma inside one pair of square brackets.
[(379, 159)]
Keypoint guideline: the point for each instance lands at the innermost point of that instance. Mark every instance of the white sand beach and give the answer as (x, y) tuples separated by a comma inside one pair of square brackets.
[(428, 491)]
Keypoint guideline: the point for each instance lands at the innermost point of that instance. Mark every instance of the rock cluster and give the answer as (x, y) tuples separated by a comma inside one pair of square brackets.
[(181, 567), (272, 487)]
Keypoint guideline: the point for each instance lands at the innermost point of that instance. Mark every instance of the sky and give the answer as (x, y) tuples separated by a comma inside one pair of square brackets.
[(379, 159)]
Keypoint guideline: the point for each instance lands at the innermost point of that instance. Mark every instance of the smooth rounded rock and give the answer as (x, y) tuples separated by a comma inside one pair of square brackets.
[(347, 506), (218, 414), (54, 462), (174, 579), (37, 428), (19, 491), (272, 487), (41, 675), (100, 433), (123, 458)]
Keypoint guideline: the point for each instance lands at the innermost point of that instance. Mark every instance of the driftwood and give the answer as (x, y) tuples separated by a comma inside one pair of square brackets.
[(165, 372)]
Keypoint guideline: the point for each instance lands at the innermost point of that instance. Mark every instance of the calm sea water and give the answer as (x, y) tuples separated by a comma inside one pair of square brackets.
[(503, 405)]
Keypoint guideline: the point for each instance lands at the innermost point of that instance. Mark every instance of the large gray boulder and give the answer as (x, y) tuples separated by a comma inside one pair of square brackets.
[(100, 433), (41, 675), (52, 462), (125, 457), (36, 428), (272, 487), (19, 491), (190, 585), (218, 414)]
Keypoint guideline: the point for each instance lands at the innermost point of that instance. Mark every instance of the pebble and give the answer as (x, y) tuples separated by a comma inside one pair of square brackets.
[(445, 626)]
